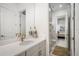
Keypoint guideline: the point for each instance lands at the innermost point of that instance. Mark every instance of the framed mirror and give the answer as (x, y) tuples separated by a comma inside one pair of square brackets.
[(23, 22)]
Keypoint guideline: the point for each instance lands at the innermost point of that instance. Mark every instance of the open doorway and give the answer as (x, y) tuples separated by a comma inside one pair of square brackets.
[(59, 28)]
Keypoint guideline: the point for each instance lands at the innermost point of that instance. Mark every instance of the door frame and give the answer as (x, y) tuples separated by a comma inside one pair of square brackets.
[(0, 22), (72, 30), (74, 27)]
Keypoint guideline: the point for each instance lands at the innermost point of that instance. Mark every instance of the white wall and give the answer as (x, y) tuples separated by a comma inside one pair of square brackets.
[(30, 17), (72, 31), (41, 22), (77, 29), (9, 21), (9, 6)]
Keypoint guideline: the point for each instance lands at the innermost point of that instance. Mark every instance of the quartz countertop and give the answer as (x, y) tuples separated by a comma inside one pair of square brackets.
[(15, 48)]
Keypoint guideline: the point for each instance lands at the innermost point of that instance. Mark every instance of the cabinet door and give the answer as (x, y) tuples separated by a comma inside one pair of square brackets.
[(38, 53), (33, 51), (41, 51), (22, 54), (37, 50), (44, 52), (29, 53), (42, 48)]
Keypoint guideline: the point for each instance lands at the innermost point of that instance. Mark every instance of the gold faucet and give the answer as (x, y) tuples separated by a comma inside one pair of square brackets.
[(20, 37)]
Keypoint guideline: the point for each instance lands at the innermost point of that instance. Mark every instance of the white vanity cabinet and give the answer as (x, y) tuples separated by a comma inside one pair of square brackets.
[(22, 54), (36, 50)]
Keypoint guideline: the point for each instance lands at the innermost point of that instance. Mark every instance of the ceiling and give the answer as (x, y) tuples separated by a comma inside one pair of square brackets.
[(59, 6)]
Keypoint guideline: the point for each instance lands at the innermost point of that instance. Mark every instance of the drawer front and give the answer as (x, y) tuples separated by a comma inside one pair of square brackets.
[(43, 52)]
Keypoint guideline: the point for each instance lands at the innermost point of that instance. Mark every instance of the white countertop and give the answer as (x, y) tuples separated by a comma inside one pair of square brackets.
[(15, 48)]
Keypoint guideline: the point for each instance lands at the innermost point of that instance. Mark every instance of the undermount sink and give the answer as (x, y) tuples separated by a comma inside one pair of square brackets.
[(26, 42), (5, 42)]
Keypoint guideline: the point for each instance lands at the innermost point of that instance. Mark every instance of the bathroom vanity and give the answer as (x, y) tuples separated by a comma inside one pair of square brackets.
[(15, 20), (30, 47)]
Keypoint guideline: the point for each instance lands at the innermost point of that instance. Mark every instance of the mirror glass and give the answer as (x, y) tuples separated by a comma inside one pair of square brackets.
[(23, 23), (16, 18), (61, 24), (12, 23)]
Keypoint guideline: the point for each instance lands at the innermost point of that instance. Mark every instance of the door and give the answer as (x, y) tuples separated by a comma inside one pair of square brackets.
[(72, 30), (67, 31)]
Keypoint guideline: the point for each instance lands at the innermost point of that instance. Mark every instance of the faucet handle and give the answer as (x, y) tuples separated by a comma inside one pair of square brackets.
[(18, 34)]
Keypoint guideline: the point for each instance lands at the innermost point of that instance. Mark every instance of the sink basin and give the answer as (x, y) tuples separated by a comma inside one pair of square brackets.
[(26, 42), (5, 42)]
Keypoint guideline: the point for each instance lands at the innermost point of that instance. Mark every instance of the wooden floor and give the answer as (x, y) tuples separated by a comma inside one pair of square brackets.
[(60, 51), (60, 48)]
